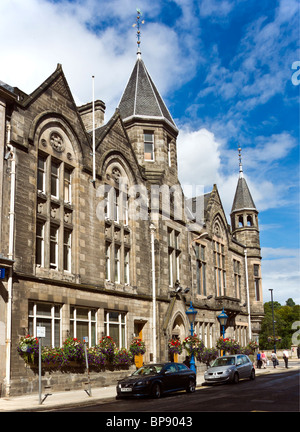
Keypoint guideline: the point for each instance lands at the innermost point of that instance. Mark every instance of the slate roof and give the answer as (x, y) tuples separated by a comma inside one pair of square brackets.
[(141, 98), (242, 199)]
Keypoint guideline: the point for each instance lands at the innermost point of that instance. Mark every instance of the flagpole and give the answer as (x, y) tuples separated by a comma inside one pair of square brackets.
[(94, 150)]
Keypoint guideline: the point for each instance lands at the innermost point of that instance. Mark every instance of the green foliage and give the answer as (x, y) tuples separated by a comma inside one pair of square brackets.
[(284, 317)]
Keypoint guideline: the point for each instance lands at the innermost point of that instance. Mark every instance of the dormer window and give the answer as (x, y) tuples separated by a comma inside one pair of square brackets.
[(148, 146)]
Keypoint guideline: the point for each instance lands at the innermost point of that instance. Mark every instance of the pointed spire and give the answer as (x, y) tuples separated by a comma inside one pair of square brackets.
[(242, 199), (141, 99)]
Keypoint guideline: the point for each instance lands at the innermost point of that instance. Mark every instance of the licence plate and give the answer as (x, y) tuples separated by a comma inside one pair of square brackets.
[(126, 389)]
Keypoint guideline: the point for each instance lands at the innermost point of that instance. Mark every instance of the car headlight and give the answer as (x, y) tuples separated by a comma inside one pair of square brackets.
[(227, 371)]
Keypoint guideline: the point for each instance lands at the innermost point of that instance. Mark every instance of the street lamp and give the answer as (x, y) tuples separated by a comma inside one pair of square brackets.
[(270, 289), (222, 318), (191, 314)]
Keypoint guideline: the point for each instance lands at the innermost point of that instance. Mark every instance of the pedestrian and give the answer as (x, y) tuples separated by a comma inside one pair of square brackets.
[(274, 359), (298, 351), (258, 360), (286, 357), (187, 361), (264, 359)]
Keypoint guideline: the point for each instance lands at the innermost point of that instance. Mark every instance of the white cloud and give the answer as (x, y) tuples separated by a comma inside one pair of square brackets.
[(45, 33), (280, 272), (198, 155)]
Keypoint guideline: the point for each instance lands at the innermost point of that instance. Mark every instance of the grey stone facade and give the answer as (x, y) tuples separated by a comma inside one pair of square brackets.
[(80, 245)]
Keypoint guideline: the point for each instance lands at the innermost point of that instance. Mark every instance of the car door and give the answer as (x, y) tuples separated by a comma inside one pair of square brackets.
[(170, 378), (248, 366), (183, 375), (240, 365)]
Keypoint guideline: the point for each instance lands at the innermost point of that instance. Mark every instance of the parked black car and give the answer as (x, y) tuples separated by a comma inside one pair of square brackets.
[(156, 379)]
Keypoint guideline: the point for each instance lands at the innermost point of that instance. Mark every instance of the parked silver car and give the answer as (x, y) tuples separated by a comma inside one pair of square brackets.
[(230, 368)]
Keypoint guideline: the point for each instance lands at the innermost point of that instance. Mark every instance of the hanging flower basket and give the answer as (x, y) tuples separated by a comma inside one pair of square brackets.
[(137, 347), (174, 346), (207, 355), (252, 345), (228, 345), (108, 347), (73, 350), (193, 345), (28, 348), (123, 357)]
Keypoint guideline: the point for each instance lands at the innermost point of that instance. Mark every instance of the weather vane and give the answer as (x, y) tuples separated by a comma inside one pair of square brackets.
[(138, 32), (240, 154), (240, 160)]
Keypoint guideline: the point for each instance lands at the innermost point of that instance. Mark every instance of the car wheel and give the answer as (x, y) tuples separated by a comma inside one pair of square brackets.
[(235, 378), (191, 386), (252, 376), (156, 391)]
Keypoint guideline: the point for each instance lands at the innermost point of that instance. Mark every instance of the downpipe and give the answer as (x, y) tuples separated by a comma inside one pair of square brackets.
[(12, 158)]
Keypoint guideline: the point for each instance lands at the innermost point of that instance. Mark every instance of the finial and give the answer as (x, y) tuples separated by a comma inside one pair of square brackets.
[(240, 161), (138, 32)]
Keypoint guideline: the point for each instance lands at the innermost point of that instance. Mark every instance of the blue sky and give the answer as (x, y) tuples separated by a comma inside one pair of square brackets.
[(224, 69)]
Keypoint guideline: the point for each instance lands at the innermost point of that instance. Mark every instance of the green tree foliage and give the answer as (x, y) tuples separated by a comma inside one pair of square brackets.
[(284, 317)]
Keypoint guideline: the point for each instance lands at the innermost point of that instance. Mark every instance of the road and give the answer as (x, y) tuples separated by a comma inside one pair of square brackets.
[(271, 392)]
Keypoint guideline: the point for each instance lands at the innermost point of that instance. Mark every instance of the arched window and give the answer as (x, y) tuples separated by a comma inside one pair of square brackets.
[(249, 221), (55, 172), (241, 221), (117, 225)]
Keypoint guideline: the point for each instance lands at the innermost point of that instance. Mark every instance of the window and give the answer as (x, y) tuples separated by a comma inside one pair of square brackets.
[(41, 180), (115, 327), (45, 315), (54, 215), (53, 247), (249, 221), (67, 250), (67, 185), (174, 255), (201, 269), (116, 205), (40, 244), (169, 152), (83, 322), (148, 146), (126, 266), (117, 264), (237, 278), (220, 273), (107, 260), (54, 180), (256, 271), (241, 221)]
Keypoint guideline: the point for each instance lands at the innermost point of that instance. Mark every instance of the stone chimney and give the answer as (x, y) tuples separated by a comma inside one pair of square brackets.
[(86, 113)]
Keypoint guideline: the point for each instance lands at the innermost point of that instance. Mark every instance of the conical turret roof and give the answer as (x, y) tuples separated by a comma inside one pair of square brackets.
[(141, 99), (242, 199)]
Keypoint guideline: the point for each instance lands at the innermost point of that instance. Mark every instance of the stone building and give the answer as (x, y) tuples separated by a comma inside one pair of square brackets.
[(97, 238)]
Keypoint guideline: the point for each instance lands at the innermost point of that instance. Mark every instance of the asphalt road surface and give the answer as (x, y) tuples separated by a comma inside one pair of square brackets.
[(267, 393)]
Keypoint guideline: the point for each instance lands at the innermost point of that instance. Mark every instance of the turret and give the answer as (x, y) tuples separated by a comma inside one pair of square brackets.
[(149, 124), (244, 215)]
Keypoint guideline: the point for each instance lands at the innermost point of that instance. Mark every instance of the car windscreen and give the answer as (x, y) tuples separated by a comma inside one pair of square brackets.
[(224, 361), (148, 370)]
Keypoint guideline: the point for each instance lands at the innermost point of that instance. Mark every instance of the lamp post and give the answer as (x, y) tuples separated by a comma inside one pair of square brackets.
[(273, 319), (191, 314), (222, 318)]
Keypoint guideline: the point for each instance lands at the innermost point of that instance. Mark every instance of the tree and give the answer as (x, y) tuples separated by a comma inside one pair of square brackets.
[(284, 317), (290, 302)]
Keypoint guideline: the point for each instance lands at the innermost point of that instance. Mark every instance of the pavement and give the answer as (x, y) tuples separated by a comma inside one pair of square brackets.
[(59, 400)]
